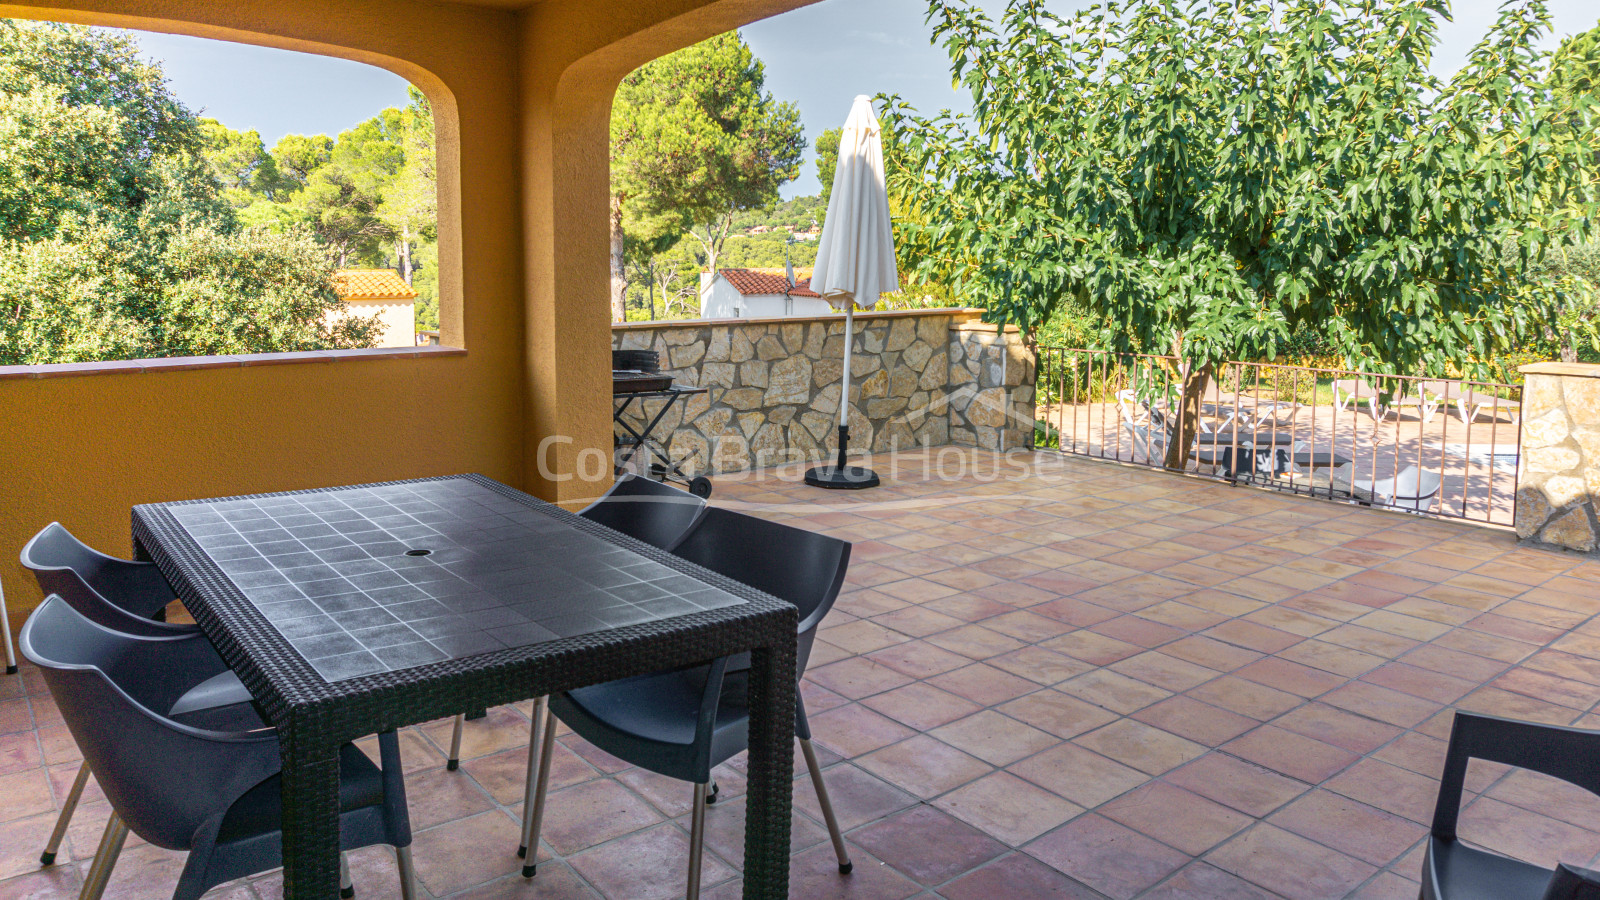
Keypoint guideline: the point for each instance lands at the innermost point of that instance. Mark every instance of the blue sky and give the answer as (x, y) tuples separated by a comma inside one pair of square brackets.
[(819, 57)]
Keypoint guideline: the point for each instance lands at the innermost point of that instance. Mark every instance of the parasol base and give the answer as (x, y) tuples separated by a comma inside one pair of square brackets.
[(847, 478)]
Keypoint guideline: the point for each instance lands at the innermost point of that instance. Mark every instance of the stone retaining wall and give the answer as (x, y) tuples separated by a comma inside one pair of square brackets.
[(919, 378), (1559, 479)]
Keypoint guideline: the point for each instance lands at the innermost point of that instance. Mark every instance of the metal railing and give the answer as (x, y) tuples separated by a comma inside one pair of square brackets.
[(1441, 448)]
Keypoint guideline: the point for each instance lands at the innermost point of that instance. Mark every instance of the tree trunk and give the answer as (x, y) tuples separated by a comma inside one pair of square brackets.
[(405, 254), (1186, 418), (619, 269)]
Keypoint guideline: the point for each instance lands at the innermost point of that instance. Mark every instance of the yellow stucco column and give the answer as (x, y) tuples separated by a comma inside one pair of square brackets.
[(575, 53)]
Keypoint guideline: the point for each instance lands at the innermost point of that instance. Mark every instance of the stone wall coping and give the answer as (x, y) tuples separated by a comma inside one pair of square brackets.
[(1576, 370), (987, 327), (967, 312), (185, 363)]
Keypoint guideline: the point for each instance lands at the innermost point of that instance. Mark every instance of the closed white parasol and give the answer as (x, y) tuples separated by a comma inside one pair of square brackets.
[(855, 260)]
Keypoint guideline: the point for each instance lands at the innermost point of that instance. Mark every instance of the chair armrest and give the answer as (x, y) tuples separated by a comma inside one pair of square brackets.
[(1559, 751)]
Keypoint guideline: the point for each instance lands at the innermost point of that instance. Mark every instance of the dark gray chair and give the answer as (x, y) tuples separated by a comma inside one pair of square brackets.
[(122, 596), (658, 514), (1453, 871), (210, 787), (683, 723)]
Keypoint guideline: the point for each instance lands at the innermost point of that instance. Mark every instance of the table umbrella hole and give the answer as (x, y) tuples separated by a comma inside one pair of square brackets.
[(418, 552)]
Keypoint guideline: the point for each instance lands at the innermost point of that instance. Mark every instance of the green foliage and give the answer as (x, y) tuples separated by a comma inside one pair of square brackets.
[(118, 232), (694, 141), (828, 161), (1211, 177)]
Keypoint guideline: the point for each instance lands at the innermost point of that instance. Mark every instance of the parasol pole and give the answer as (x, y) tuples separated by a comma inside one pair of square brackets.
[(844, 394)]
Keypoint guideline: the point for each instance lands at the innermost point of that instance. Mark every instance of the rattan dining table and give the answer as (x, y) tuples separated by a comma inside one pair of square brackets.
[(349, 611)]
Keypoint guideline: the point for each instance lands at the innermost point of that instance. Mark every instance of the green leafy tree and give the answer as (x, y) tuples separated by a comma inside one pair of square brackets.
[(828, 162), (1209, 176), (694, 140), (117, 237), (410, 206), (342, 197), (239, 162)]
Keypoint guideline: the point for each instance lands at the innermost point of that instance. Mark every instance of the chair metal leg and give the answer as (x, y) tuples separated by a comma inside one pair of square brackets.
[(711, 795), (5, 629), (454, 762), (346, 889), (68, 807), (697, 840), (845, 865), (408, 873), (105, 859), (538, 786)]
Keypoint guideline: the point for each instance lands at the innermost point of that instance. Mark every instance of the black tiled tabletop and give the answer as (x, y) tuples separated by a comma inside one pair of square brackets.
[(376, 579)]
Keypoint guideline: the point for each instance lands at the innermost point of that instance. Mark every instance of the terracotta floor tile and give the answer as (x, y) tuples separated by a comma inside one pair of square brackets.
[(857, 677), (1008, 808), (1291, 754), (1096, 649), (1289, 865), (1017, 876), (815, 874), (1551, 688), (1361, 831), (1292, 677), (1114, 860), (555, 881), (862, 636), (924, 766), (1248, 788), (921, 706), (1211, 653), (1041, 666), (1381, 703), (1060, 714), (903, 840), (917, 590), (854, 730), (648, 865), (1388, 886), (918, 659), (983, 684), (1199, 881), (1246, 698), (24, 794), (1115, 692), (858, 797), (1253, 636), (1135, 744), (1176, 817), (996, 739), (493, 837), (1164, 671), (503, 774), (1138, 630), (502, 729), (975, 642), (1549, 796), (1429, 685), (1524, 834), (1086, 778), (1189, 718), (1443, 660), (592, 813), (1337, 727)]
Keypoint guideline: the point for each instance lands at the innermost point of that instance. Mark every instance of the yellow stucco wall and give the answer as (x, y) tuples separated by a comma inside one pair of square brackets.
[(521, 93)]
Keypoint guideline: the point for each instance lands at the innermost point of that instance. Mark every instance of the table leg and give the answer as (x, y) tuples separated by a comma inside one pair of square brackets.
[(310, 817), (771, 776)]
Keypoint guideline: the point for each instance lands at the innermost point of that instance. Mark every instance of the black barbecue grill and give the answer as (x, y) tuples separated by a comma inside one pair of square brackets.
[(636, 376)]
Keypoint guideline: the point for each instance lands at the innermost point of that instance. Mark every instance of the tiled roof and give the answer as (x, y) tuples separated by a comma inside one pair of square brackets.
[(371, 284), (769, 281)]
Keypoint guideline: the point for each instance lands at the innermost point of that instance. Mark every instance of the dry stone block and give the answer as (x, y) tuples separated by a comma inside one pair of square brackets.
[(934, 329), (719, 347), (1571, 530), (1551, 459), (636, 340), (769, 349), (683, 357), (716, 373), (743, 398), (901, 334), (790, 381), (917, 355), (988, 408), (875, 385), (739, 346), (1547, 430), (902, 382), (679, 337), (1564, 490), (753, 373), (1582, 396), (817, 424), (827, 371), (935, 374)]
